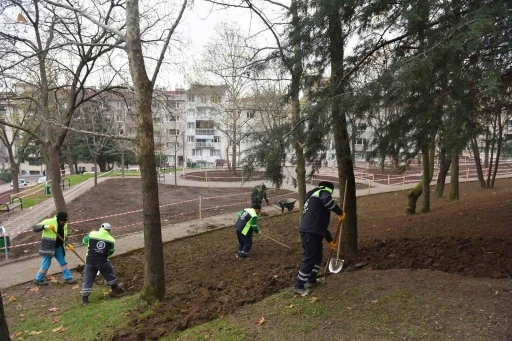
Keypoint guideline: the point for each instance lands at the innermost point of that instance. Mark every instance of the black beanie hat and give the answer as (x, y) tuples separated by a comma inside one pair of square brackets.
[(256, 206), (327, 184), (61, 216)]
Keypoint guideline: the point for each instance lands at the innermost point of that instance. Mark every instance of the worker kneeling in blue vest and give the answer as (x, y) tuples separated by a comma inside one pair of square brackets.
[(313, 229), (100, 246), (246, 224)]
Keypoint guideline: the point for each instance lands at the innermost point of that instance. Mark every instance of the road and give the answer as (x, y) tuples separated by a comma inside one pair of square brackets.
[(32, 179)]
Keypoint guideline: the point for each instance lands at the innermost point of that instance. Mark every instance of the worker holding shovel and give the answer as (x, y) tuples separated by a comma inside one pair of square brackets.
[(55, 232), (313, 229), (100, 246), (246, 224)]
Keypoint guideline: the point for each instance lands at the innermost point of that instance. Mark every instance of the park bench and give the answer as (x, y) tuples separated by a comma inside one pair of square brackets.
[(11, 205)]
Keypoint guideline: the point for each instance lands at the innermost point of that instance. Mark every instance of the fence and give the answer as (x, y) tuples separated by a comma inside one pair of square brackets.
[(194, 213)]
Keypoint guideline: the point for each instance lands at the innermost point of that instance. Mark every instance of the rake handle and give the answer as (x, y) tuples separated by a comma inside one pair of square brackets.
[(278, 242), (60, 237)]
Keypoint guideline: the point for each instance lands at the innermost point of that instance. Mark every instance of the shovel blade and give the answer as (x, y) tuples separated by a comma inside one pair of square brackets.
[(335, 265)]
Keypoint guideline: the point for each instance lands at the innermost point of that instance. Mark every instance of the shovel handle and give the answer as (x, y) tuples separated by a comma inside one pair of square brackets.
[(338, 231), (60, 237)]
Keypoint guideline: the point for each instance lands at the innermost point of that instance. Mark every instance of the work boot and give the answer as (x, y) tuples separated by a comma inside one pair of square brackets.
[(85, 300), (301, 291), (41, 282), (315, 283), (70, 281), (117, 289)]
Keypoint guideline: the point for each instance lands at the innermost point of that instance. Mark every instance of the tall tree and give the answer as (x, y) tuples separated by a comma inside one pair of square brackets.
[(143, 86), (4, 329)]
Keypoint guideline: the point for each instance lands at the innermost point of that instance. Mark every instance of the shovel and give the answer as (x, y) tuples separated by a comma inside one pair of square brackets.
[(80, 267), (336, 264)]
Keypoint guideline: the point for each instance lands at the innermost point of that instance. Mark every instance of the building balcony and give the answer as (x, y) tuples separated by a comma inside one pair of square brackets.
[(205, 131), (206, 144)]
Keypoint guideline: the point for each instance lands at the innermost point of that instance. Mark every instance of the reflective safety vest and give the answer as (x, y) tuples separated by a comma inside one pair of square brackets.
[(250, 217), (49, 238)]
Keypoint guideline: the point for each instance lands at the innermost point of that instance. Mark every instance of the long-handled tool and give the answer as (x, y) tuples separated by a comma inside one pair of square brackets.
[(272, 239), (335, 265), (63, 241)]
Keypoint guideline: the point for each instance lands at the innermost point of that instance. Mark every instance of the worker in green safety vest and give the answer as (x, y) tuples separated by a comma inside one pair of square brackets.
[(53, 246), (246, 224), (100, 246)]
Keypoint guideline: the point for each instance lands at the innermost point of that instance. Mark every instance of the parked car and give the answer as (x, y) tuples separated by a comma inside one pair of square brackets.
[(21, 183), (41, 180)]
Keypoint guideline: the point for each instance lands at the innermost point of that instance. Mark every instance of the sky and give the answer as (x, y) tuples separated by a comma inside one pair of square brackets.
[(198, 28)]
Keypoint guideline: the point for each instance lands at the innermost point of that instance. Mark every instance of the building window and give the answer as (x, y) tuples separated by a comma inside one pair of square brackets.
[(173, 131), (196, 152), (172, 118), (214, 152), (191, 139), (190, 112), (361, 141), (173, 104), (204, 124), (32, 161), (191, 98), (250, 114), (216, 139), (170, 145), (191, 125)]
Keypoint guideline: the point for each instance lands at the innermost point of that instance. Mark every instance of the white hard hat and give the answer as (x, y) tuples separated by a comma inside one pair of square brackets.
[(106, 226)]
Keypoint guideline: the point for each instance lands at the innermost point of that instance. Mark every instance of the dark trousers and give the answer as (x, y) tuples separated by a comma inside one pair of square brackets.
[(312, 259), (244, 243), (107, 271)]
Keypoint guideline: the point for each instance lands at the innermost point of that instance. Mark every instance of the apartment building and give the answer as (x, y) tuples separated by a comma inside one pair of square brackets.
[(205, 140)]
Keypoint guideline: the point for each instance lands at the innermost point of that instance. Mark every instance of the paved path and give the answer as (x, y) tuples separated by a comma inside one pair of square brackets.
[(22, 271), (21, 220)]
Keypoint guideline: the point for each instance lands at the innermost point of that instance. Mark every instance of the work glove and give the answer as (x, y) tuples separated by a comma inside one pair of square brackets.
[(69, 247), (333, 245), (341, 217), (51, 227)]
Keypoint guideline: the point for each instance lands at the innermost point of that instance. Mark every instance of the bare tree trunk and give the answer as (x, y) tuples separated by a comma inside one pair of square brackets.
[(478, 164), (58, 196), (498, 149), (4, 329), (454, 179), (427, 161), (69, 159), (296, 74), (154, 275), (15, 169), (493, 143), (96, 170), (227, 158), (233, 149), (444, 166), (341, 137), (486, 149)]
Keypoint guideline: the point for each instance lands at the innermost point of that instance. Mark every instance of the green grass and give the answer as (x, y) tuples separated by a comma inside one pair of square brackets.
[(39, 196), (213, 330), (79, 323)]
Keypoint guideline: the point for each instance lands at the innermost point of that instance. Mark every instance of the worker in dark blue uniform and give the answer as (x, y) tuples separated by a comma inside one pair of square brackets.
[(313, 229), (246, 224)]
